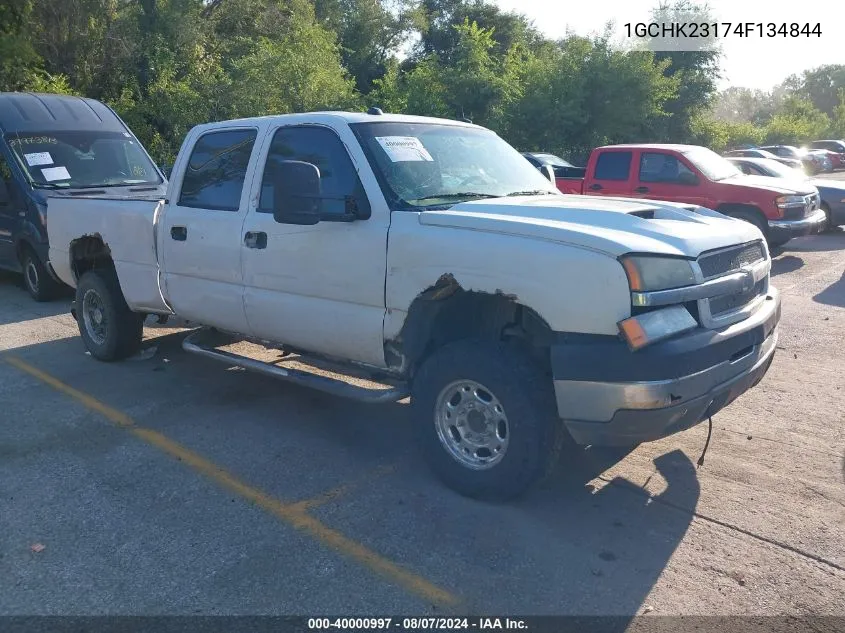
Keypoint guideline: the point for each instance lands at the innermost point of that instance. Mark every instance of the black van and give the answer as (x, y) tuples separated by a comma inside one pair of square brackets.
[(58, 145)]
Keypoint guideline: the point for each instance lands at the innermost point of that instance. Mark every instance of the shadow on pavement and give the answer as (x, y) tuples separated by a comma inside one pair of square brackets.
[(834, 294), (786, 264), (579, 544), (833, 240), (19, 306)]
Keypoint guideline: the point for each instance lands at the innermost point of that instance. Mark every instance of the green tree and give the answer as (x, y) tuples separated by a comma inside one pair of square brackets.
[(438, 19), (796, 122), (370, 34), (820, 86), (18, 58), (695, 72)]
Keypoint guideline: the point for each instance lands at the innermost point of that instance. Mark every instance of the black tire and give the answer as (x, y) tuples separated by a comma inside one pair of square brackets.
[(36, 278), (122, 330), (752, 218), (535, 434), (760, 222), (828, 221)]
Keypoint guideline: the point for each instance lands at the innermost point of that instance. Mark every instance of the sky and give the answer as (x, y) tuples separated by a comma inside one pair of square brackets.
[(751, 62)]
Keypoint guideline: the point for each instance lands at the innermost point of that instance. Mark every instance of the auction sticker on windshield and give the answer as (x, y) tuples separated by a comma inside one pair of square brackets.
[(38, 158), (55, 173), (404, 148)]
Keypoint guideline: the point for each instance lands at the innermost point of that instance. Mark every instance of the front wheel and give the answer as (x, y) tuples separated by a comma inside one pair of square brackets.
[(110, 330), (487, 419), (828, 219)]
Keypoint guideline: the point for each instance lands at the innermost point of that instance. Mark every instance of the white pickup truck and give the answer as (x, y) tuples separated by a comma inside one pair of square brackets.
[(429, 256)]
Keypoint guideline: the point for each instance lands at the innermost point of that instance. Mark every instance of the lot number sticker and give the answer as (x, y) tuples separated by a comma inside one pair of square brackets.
[(404, 148), (38, 158), (55, 173)]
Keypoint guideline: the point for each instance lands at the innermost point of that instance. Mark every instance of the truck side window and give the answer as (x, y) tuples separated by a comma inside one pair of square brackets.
[(613, 166), (214, 177), (7, 182), (656, 167), (321, 147)]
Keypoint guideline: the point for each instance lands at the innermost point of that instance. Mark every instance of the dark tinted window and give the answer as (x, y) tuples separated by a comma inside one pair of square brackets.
[(656, 167), (214, 178), (321, 147), (7, 183), (613, 166)]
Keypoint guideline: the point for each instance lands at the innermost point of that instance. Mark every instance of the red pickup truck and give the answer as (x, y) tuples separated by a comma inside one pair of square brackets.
[(781, 209)]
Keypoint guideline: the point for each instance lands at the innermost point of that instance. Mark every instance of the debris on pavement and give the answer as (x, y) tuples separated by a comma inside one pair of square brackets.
[(145, 354)]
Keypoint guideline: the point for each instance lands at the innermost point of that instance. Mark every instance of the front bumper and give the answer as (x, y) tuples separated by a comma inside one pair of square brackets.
[(782, 230), (610, 396)]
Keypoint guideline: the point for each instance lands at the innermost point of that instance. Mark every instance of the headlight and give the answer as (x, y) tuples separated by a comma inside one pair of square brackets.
[(789, 201), (647, 273), (645, 329)]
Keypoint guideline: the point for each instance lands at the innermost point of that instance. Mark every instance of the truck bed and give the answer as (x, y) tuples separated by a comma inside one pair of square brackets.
[(127, 226)]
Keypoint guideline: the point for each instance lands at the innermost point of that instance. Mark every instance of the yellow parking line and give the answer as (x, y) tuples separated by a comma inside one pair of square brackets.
[(340, 491), (294, 514)]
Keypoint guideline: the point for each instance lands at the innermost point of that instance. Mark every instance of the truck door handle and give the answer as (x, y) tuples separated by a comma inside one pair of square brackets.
[(596, 187), (255, 239), (641, 189), (179, 233)]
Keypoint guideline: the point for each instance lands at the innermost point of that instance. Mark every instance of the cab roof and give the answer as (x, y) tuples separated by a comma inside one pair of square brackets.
[(333, 116), (29, 112), (676, 147)]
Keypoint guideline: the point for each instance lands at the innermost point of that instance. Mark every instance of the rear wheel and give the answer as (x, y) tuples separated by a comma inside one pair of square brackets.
[(487, 419), (39, 283), (110, 330)]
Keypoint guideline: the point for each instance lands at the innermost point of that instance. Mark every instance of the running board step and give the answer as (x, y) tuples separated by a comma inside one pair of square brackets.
[(296, 376)]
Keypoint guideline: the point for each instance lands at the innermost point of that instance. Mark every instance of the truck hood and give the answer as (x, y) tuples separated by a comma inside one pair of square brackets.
[(776, 186), (614, 226), (829, 185)]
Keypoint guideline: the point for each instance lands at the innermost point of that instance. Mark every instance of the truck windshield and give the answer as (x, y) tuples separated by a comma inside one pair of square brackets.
[(429, 165), (80, 160), (711, 164)]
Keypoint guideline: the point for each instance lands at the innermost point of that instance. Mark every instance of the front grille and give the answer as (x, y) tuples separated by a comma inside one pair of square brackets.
[(729, 303), (811, 203), (730, 259)]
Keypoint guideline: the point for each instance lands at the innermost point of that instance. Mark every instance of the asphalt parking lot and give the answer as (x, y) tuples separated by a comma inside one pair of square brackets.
[(171, 484)]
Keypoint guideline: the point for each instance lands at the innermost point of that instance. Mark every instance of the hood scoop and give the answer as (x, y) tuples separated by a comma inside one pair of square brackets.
[(684, 213)]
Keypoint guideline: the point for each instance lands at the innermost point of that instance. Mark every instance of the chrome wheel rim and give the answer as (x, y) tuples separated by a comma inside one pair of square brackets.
[(94, 316), (31, 275), (471, 424)]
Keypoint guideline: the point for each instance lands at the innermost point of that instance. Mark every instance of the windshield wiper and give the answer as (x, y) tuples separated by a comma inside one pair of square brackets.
[(98, 186), (533, 192), (452, 196), (48, 185)]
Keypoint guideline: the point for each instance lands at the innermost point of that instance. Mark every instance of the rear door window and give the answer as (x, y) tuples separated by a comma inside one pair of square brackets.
[(613, 166), (215, 174)]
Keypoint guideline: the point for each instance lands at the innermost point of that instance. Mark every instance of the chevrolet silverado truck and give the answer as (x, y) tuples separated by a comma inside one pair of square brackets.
[(696, 175), (430, 258)]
